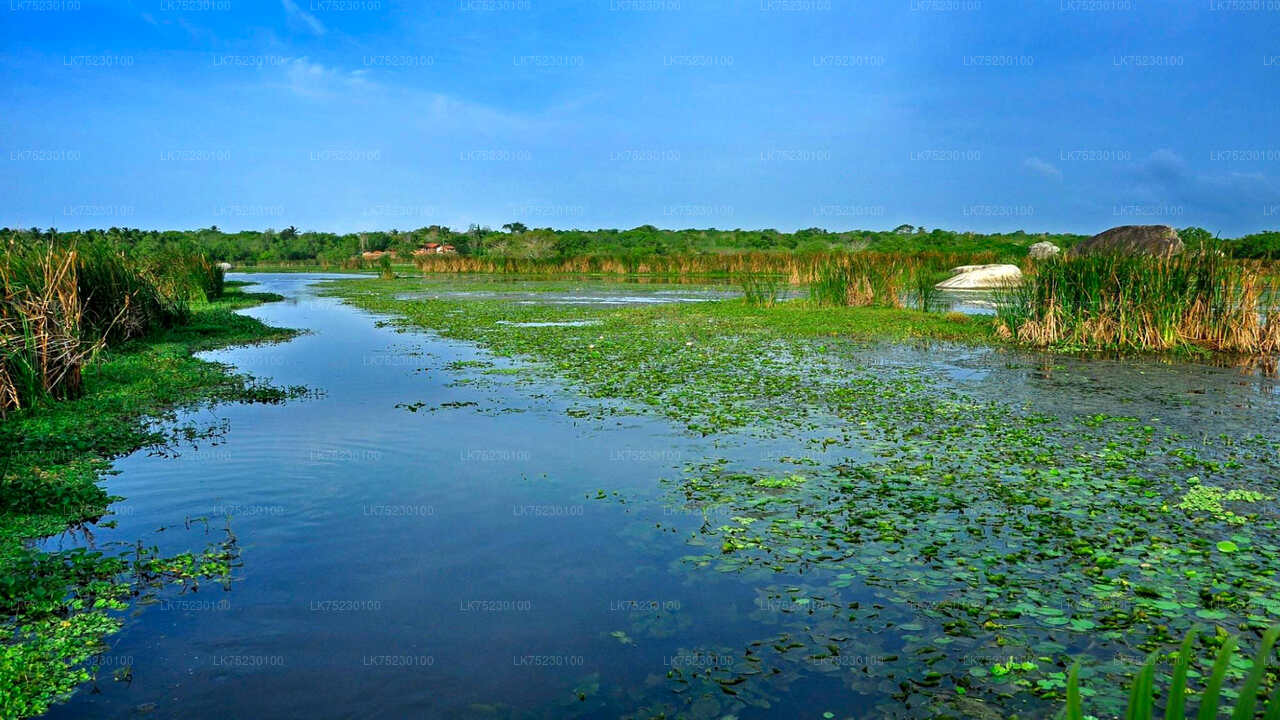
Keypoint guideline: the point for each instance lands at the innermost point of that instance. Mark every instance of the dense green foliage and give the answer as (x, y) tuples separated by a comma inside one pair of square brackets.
[(251, 247), (56, 607)]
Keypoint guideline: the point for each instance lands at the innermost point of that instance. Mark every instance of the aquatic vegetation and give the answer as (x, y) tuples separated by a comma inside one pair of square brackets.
[(1142, 695), (1104, 302), (761, 290), (1209, 499), (879, 279), (384, 268), (930, 528), (41, 352), (797, 268)]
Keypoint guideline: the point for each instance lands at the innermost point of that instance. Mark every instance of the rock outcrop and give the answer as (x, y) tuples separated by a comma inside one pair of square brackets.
[(1043, 251), (1159, 240)]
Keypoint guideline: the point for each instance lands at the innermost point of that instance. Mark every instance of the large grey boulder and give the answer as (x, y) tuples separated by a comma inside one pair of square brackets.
[(1159, 240), (982, 277), (1043, 250)]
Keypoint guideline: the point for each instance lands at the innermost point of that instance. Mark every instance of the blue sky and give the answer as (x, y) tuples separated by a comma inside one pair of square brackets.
[(1053, 115)]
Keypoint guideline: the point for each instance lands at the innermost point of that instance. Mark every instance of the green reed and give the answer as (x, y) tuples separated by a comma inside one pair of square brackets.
[(1142, 692), (1118, 302), (760, 289)]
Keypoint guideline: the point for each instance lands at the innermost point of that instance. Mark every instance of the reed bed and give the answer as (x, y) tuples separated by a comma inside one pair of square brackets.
[(760, 289), (882, 279), (796, 268), (40, 318), (61, 302), (1115, 302)]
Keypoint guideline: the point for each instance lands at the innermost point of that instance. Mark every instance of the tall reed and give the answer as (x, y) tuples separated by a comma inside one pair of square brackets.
[(798, 268), (1117, 302), (40, 317), (880, 279), (761, 290), (60, 302), (125, 299)]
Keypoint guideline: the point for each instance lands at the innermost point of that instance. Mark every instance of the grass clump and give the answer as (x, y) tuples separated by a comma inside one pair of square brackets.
[(760, 289), (869, 279), (1116, 302), (384, 268), (62, 301)]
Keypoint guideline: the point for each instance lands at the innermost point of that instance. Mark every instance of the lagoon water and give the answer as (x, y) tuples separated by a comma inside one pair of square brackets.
[(483, 552)]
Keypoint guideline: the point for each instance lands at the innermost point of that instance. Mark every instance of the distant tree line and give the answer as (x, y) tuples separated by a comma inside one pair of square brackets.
[(515, 240)]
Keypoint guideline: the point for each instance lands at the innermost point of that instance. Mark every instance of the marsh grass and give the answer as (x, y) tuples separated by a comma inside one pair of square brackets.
[(124, 299), (797, 267), (870, 279), (40, 319), (60, 303), (1113, 302), (760, 290), (384, 268)]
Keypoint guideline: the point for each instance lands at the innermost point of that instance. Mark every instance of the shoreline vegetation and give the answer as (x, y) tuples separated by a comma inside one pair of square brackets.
[(97, 345)]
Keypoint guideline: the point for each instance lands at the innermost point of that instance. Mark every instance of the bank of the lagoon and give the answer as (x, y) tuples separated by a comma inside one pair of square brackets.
[(62, 595), (554, 499)]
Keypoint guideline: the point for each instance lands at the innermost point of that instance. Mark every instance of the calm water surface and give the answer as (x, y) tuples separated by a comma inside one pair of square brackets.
[(455, 561)]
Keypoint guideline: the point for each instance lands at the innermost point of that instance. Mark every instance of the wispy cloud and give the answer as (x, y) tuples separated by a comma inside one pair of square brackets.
[(1041, 167), (322, 83), (302, 18), (313, 80)]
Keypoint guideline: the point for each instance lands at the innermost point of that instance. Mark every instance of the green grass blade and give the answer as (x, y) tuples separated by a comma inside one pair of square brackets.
[(1249, 693), (1176, 709), (1146, 681), (1209, 701), (1140, 693), (1074, 709)]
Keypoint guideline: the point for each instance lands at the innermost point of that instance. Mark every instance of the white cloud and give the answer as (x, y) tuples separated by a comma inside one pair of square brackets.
[(313, 80), (1040, 167), (302, 18)]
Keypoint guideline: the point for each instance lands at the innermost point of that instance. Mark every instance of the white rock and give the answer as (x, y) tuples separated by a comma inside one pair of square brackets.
[(1043, 251), (982, 277)]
